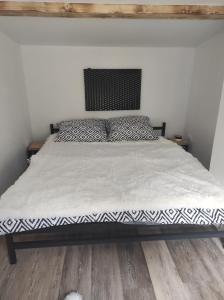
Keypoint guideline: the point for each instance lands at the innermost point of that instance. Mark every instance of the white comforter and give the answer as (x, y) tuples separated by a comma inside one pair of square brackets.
[(74, 179)]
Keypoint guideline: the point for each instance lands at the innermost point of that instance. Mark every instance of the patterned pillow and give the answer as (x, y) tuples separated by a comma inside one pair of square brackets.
[(132, 128), (81, 122), (82, 130)]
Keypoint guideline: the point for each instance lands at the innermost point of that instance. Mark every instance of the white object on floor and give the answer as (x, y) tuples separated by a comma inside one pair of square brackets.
[(73, 296)]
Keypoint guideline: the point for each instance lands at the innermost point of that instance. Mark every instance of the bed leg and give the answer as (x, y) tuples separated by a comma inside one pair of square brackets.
[(11, 249), (222, 242)]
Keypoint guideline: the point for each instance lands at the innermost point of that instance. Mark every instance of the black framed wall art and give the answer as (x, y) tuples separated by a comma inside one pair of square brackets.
[(112, 89)]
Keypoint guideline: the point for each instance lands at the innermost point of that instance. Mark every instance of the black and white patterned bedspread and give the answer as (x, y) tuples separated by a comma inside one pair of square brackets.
[(170, 216)]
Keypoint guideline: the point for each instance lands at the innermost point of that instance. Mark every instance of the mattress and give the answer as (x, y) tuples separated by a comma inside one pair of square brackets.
[(149, 181)]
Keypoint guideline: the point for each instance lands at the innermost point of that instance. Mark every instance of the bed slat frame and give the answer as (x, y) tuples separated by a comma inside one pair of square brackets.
[(75, 234)]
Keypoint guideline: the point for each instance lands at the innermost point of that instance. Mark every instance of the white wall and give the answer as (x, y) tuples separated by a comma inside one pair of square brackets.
[(217, 159), (14, 119), (55, 87), (205, 97)]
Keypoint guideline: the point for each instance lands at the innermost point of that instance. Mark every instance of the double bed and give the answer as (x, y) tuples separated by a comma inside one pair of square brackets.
[(105, 192)]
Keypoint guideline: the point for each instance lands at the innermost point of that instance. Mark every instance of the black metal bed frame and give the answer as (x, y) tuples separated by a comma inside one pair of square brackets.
[(54, 128), (109, 232)]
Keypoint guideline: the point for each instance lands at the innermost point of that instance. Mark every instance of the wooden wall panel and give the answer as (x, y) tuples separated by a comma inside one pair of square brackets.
[(87, 10)]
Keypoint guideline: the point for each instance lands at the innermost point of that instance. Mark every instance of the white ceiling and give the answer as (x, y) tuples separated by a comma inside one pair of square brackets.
[(109, 32)]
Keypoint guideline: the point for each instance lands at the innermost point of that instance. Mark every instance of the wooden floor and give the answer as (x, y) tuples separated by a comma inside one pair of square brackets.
[(174, 270)]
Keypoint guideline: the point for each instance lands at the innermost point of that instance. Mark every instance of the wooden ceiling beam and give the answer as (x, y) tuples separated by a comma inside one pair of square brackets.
[(93, 10)]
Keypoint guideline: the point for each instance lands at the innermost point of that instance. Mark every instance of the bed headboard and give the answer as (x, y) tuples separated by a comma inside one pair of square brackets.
[(160, 130)]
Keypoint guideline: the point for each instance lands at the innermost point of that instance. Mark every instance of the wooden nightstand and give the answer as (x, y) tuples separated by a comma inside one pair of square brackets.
[(183, 143), (33, 148)]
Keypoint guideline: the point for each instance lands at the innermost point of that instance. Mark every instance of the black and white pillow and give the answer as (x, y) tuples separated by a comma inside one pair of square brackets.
[(82, 130), (131, 128), (81, 122)]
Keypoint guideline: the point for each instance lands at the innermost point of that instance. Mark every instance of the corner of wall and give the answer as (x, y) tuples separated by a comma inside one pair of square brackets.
[(205, 95), (13, 114), (26, 92)]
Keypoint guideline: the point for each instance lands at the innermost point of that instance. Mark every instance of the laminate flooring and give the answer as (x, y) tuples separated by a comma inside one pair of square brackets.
[(172, 270)]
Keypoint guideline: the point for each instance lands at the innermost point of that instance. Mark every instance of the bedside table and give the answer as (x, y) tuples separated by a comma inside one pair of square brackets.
[(183, 143), (33, 148)]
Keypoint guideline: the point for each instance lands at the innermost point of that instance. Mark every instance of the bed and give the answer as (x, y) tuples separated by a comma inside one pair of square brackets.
[(106, 192)]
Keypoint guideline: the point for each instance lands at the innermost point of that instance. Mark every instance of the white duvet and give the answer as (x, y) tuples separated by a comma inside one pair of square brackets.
[(75, 179)]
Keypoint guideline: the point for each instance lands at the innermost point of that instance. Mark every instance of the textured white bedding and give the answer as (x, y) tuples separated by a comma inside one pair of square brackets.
[(75, 179)]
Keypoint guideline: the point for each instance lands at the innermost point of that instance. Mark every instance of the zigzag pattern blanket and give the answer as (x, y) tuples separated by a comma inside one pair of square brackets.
[(154, 181)]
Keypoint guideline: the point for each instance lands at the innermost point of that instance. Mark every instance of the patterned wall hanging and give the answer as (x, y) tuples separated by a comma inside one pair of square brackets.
[(112, 89)]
